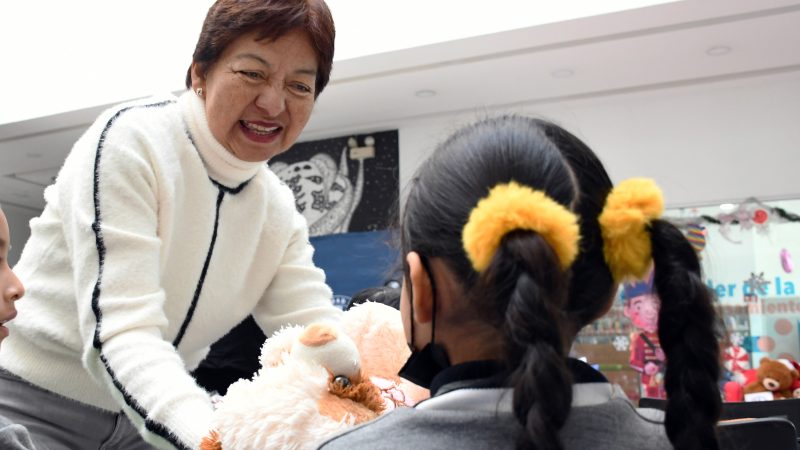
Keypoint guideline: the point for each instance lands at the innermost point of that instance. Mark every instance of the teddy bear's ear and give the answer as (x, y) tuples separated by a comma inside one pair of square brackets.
[(764, 359)]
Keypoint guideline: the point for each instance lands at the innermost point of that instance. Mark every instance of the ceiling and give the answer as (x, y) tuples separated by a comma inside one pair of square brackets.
[(674, 44)]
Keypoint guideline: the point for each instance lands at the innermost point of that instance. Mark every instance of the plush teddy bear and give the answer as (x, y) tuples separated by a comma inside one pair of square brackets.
[(316, 382), (795, 387), (773, 376)]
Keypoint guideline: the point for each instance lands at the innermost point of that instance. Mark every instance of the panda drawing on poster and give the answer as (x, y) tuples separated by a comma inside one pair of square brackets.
[(329, 179)]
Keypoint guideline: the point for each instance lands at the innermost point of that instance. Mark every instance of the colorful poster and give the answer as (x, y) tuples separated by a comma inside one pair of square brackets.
[(773, 324)]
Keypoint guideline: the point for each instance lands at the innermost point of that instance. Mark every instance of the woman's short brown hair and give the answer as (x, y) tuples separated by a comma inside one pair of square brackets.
[(228, 19)]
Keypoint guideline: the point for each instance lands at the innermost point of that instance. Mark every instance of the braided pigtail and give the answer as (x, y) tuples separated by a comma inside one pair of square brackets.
[(521, 241), (633, 236), (526, 274), (687, 335)]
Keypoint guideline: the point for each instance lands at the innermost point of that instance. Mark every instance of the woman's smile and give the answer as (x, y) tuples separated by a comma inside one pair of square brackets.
[(261, 131)]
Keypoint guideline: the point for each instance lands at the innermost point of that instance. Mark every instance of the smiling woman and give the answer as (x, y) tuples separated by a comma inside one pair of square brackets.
[(259, 95), (163, 230)]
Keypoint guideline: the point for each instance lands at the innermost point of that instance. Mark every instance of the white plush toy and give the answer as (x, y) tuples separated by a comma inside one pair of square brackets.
[(313, 384)]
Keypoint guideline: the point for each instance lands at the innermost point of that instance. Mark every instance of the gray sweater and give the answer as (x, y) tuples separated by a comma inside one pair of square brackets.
[(14, 436), (601, 418)]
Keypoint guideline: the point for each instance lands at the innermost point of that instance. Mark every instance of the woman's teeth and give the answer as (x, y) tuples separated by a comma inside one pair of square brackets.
[(258, 129)]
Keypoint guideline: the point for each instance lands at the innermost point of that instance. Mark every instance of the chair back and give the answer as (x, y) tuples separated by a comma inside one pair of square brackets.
[(773, 433), (762, 417), (655, 403), (788, 409)]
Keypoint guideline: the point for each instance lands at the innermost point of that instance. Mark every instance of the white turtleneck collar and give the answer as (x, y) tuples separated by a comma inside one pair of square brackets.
[(222, 165)]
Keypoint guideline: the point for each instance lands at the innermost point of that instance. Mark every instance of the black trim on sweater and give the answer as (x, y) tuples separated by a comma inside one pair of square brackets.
[(201, 282), (154, 427), (229, 190)]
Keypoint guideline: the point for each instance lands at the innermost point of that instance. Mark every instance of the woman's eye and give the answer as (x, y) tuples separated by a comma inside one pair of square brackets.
[(251, 75), (300, 87)]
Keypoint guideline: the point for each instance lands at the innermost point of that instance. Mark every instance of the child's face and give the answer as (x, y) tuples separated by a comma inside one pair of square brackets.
[(10, 286)]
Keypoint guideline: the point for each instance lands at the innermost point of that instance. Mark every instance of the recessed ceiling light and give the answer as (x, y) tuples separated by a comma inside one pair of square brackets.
[(718, 50), (425, 93), (562, 73)]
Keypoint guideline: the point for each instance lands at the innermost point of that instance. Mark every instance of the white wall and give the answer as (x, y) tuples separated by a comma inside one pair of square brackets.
[(703, 143)]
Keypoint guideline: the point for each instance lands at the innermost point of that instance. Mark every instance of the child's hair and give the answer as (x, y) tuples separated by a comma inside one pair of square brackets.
[(389, 296), (539, 307)]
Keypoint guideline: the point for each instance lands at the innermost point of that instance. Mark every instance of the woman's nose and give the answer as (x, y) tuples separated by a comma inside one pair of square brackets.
[(271, 99)]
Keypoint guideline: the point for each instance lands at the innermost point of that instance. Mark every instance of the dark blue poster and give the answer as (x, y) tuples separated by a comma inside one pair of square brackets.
[(356, 261)]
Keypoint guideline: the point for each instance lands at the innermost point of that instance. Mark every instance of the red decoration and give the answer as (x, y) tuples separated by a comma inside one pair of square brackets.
[(760, 216), (736, 359)]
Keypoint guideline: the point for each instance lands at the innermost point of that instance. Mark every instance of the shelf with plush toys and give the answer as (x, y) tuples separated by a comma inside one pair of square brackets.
[(773, 379), (745, 251)]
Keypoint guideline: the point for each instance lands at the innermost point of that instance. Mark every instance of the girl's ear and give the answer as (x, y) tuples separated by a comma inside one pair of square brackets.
[(421, 289)]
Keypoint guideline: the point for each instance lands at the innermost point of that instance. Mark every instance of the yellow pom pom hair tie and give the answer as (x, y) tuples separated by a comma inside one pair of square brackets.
[(629, 209), (511, 207)]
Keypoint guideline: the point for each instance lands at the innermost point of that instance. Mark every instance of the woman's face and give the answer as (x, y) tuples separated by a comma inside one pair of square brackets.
[(259, 94), (10, 286)]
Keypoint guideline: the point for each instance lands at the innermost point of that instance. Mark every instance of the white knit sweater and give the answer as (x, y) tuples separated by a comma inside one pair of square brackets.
[(155, 241)]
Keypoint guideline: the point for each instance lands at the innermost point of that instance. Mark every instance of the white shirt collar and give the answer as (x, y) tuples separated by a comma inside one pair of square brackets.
[(500, 399)]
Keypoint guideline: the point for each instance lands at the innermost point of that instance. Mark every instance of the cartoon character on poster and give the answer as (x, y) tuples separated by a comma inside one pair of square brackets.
[(641, 307)]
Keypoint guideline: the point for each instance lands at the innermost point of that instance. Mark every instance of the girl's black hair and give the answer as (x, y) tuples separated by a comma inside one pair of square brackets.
[(537, 306), (389, 296)]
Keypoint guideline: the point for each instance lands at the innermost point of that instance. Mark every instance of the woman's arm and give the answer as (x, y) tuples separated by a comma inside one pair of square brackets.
[(110, 204), (297, 294)]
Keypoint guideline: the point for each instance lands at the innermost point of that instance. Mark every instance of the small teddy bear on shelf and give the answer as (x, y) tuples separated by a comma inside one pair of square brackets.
[(773, 376), (317, 381)]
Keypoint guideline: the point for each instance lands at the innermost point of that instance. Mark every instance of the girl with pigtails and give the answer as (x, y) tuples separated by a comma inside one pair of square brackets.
[(514, 239)]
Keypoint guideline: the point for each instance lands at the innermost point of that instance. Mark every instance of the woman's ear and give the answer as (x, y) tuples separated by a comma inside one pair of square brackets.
[(198, 79), (421, 288)]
